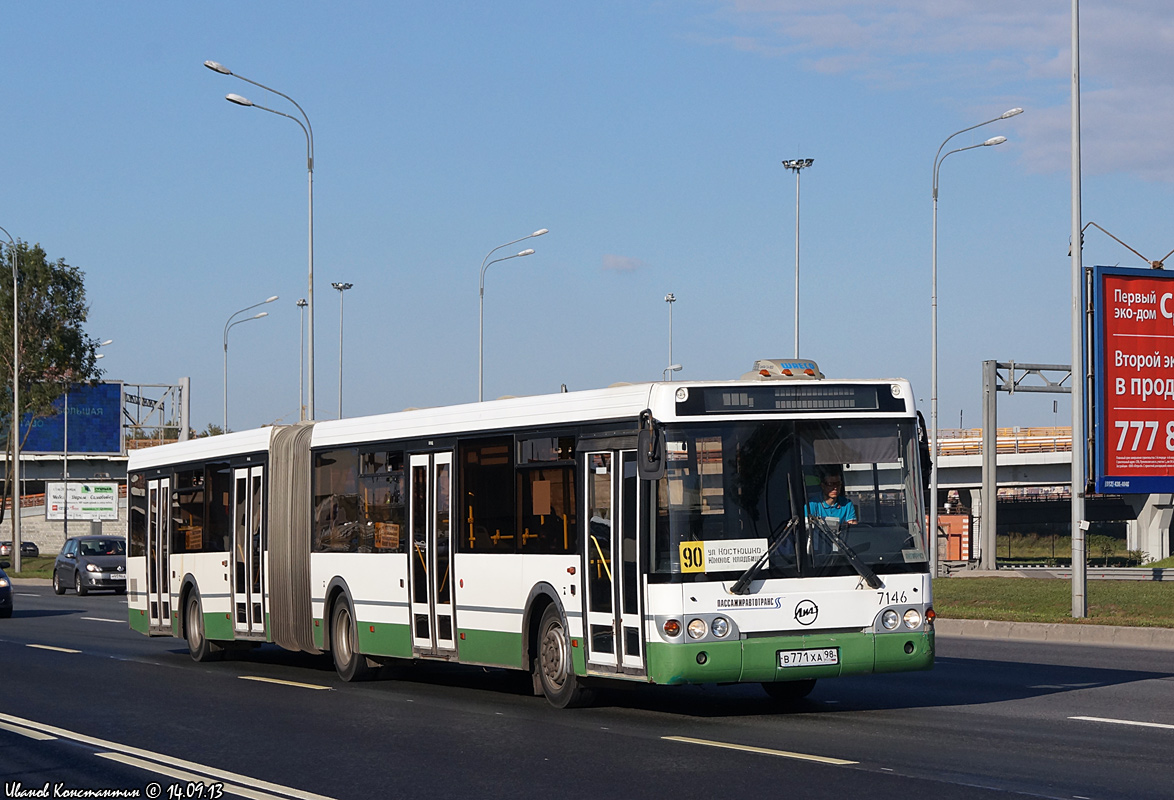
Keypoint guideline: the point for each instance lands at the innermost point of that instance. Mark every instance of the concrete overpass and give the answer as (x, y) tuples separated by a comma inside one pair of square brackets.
[(1034, 466)]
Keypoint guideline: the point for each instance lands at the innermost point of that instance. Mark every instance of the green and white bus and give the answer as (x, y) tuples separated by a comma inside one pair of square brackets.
[(660, 532)]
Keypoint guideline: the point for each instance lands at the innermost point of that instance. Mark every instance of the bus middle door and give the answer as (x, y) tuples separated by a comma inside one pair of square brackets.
[(430, 551)]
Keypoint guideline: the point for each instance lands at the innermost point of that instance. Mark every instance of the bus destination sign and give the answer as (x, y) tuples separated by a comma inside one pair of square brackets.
[(1134, 389)]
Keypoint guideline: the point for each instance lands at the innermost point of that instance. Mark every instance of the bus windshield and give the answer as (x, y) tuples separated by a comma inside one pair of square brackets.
[(854, 487)]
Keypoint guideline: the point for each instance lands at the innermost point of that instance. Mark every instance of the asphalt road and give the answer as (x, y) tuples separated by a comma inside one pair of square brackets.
[(111, 709)]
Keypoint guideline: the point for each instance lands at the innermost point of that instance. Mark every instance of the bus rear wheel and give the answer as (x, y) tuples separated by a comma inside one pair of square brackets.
[(198, 645), (789, 691), (349, 663), (555, 668)]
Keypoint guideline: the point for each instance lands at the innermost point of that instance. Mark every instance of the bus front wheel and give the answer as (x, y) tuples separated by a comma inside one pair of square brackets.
[(349, 663), (198, 645), (556, 670)]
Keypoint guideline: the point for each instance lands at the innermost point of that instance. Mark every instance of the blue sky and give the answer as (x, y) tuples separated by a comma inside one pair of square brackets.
[(647, 136)]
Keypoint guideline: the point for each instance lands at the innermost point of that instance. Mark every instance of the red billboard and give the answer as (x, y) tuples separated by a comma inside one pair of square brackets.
[(1134, 374)]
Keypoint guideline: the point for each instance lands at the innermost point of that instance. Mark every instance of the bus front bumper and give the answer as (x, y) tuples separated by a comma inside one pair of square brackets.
[(761, 659)]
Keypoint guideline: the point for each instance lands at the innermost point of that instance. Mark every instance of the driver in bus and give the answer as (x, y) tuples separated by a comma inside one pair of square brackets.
[(832, 504)]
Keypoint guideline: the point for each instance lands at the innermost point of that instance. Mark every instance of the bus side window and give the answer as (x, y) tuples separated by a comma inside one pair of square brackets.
[(487, 515), (546, 510)]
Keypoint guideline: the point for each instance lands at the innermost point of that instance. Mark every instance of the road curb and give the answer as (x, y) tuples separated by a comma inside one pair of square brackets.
[(1058, 633)]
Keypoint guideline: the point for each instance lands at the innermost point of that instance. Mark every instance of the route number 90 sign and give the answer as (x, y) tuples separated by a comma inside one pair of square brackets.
[(1134, 380)]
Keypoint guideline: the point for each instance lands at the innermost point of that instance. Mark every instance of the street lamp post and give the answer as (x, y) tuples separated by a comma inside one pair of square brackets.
[(14, 428), (797, 164), (65, 451), (309, 131), (228, 326), (670, 298), (933, 400), (485, 264), (301, 356), (341, 287)]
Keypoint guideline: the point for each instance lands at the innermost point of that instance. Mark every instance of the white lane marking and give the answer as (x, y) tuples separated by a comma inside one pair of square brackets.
[(284, 683), (189, 777), (761, 750), (54, 649), (220, 775), (26, 594), (40, 737), (103, 619), (1125, 722)]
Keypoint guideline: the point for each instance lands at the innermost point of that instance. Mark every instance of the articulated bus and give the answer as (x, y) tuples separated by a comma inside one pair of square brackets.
[(665, 532)]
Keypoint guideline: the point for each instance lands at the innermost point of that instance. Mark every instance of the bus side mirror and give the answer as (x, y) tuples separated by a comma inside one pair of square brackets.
[(650, 461)]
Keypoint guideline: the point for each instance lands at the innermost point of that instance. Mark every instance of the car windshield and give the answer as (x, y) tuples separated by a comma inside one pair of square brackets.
[(101, 547), (734, 487)]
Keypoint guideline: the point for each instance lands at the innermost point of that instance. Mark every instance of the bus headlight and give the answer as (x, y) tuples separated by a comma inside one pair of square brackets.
[(697, 628), (720, 627), (912, 618), (890, 619)]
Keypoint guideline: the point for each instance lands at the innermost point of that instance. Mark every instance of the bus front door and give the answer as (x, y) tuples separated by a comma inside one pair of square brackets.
[(430, 551), (615, 635), (158, 548)]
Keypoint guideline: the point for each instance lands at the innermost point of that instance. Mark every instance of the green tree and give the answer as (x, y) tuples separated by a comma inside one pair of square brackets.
[(54, 350)]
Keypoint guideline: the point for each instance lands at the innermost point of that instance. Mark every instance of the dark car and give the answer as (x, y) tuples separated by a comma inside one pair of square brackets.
[(91, 562), (5, 592), (27, 549)]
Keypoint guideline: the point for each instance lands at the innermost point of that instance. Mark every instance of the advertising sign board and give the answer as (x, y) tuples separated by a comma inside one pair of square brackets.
[(1134, 380), (95, 422), (85, 500)]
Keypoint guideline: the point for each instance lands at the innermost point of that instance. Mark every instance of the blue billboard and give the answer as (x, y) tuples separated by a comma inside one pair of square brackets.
[(95, 422)]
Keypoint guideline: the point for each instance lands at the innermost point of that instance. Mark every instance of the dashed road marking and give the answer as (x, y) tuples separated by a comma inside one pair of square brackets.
[(762, 750), (1125, 722), (284, 683)]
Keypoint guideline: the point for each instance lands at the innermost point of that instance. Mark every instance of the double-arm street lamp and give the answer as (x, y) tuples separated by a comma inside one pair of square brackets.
[(309, 131), (933, 400), (797, 164), (227, 327), (301, 304), (341, 287), (486, 264), (14, 428)]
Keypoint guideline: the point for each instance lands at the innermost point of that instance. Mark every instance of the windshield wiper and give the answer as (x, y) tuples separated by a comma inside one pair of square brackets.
[(742, 585), (833, 534)]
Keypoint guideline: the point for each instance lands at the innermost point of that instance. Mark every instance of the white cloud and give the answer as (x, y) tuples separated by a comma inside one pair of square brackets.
[(613, 263), (1013, 49)]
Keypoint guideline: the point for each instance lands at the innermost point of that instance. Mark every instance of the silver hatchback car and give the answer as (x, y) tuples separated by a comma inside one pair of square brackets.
[(91, 562)]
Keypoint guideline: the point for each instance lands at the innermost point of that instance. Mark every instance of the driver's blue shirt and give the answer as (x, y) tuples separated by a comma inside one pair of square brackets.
[(841, 508)]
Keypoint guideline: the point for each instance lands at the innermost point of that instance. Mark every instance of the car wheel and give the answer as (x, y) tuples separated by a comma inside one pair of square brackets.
[(82, 591), (789, 691), (57, 587), (556, 672), (349, 663), (198, 645)]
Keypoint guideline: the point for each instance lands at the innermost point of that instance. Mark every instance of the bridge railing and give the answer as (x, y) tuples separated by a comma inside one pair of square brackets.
[(968, 441)]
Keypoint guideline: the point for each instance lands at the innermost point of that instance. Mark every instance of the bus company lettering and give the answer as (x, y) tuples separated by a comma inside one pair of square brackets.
[(806, 612), (749, 602)]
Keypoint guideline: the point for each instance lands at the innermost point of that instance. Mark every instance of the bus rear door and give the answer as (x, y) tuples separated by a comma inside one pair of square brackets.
[(158, 549)]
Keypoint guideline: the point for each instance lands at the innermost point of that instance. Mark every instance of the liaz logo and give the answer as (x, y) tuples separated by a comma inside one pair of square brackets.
[(806, 612)]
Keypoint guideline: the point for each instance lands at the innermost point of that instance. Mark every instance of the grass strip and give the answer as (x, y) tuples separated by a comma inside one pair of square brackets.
[(1144, 604)]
